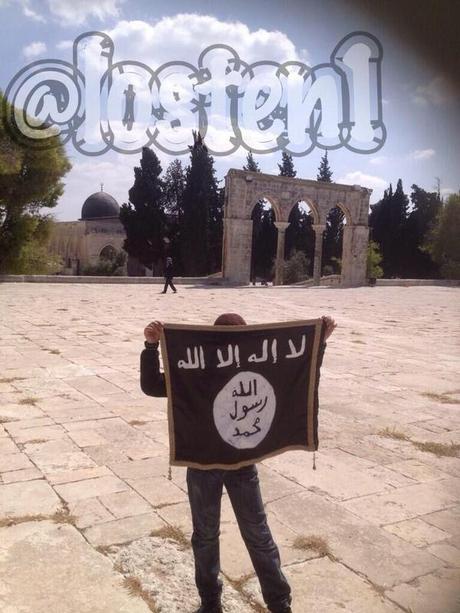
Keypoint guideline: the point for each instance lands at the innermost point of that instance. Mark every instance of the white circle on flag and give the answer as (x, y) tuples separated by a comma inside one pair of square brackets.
[(243, 410)]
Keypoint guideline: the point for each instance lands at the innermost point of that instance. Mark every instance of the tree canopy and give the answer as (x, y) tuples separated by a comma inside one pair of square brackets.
[(287, 166), (30, 180), (201, 225), (324, 170), (143, 217), (442, 242)]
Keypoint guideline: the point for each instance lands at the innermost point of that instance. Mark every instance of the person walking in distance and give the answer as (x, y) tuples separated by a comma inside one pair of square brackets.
[(169, 274), (205, 492)]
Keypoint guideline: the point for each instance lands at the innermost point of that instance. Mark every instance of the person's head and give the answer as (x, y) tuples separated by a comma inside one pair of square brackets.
[(229, 319), (168, 260)]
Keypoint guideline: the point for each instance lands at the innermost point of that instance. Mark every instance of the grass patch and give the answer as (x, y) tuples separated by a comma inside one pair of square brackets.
[(238, 585), (54, 351), (358, 341), (32, 400), (134, 587), (442, 398), (137, 422), (173, 533), (379, 589), (400, 436), (11, 379), (439, 449), (6, 420), (62, 516), (37, 440), (105, 549), (313, 543), (451, 450)]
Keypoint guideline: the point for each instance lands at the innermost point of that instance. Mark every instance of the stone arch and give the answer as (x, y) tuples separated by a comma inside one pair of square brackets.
[(108, 252), (300, 236), (271, 198), (300, 197), (263, 239), (243, 188), (332, 251)]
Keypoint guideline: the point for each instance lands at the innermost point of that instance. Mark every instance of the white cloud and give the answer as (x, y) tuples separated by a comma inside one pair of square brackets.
[(447, 191), (377, 184), (437, 92), (34, 49), (378, 160), (26, 9), (77, 12), (64, 44), (184, 36), (28, 12), (422, 154)]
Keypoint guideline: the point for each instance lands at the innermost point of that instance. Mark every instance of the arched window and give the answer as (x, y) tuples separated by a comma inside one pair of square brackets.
[(108, 253)]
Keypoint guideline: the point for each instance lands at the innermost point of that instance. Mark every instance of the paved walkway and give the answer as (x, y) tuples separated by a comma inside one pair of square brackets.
[(90, 523)]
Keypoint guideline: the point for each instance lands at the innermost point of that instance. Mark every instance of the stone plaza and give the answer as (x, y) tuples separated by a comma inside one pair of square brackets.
[(90, 522)]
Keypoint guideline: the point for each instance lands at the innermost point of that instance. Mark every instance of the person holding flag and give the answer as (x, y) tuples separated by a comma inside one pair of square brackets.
[(205, 487)]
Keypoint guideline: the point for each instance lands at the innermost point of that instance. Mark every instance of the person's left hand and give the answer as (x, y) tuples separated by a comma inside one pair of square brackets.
[(330, 326)]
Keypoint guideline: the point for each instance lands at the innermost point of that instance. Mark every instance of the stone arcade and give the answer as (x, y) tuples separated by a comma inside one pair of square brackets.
[(243, 189)]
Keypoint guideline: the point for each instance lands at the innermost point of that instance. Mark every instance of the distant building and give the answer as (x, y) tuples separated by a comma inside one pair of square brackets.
[(98, 233)]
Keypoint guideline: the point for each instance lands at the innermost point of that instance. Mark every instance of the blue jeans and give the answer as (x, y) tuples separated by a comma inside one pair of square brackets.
[(242, 485)]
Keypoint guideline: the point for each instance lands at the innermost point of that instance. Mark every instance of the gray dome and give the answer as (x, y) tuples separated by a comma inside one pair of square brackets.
[(100, 204)]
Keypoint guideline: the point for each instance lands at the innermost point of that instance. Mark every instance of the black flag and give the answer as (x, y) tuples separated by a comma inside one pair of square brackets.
[(239, 394)]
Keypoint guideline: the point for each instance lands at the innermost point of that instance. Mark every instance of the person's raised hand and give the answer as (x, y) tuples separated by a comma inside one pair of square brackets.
[(152, 332), (330, 326)]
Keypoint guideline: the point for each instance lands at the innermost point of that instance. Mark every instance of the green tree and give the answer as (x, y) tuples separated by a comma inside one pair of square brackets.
[(333, 235), (324, 171), (34, 256), (287, 166), (387, 220), (174, 185), (30, 180), (426, 207), (143, 217), (201, 224), (296, 268), (251, 164), (109, 265), (443, 244), (374, 259), (259, 238)]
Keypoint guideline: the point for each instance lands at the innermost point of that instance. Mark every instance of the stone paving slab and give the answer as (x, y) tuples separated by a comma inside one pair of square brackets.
[(27, 498), (79, 490), (389, 512), (39, 573), (433, 593), (123, 530), (323, 586), (357, 543)]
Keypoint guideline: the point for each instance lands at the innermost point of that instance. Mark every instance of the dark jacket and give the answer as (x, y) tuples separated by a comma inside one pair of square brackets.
[(169, 270), (152, 380)]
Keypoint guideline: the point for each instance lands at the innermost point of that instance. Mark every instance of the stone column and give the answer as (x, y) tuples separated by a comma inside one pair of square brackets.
[(318, 229), (237, 250), (354, 255), (281, 227)]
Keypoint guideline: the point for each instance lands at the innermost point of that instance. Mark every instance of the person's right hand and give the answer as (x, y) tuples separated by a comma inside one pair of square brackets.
[(152, 332)]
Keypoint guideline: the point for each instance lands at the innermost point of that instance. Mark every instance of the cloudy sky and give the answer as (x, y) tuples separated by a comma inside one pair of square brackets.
[(420, 96)]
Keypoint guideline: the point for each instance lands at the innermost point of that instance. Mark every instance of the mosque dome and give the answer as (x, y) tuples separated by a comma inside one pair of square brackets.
[(100, 204)]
